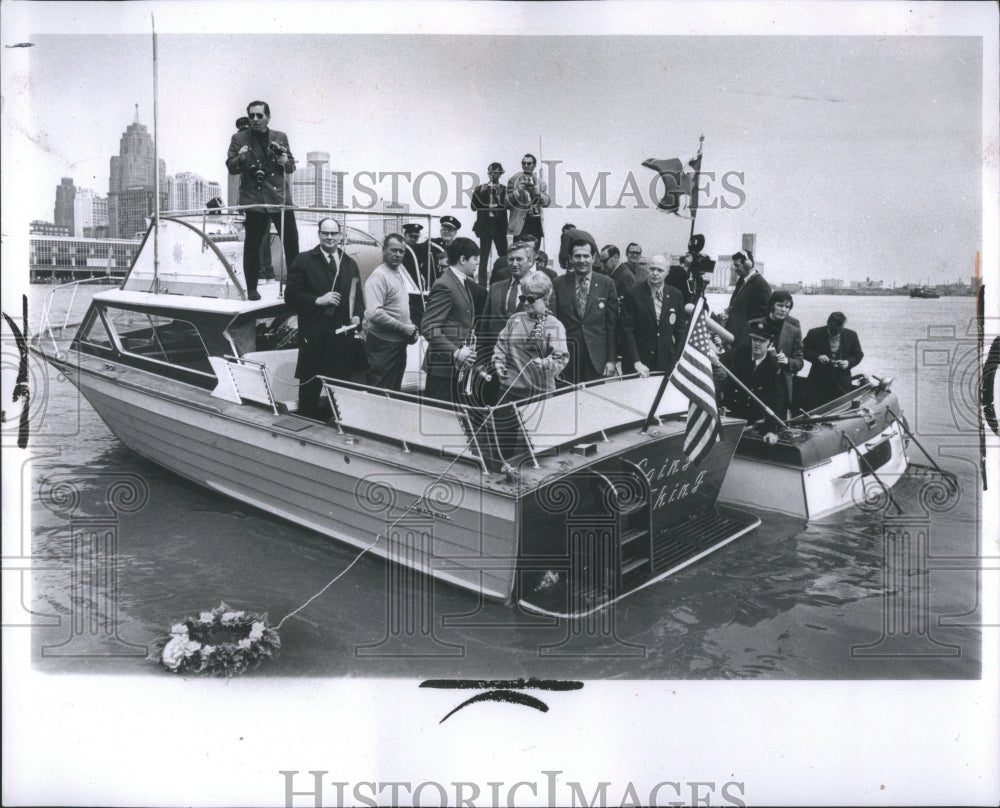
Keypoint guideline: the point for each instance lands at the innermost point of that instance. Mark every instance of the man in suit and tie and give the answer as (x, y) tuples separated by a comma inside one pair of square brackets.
[(448, 322), (749, 299), (653, 323), (587, 305), (489, 201), (503, 300), (833, 350), (324, 287)]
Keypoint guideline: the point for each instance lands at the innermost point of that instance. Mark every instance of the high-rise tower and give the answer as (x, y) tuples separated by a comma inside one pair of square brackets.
[(131, 189)]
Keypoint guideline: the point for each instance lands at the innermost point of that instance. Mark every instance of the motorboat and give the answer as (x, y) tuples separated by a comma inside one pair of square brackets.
[(595, 502), (848, 452)]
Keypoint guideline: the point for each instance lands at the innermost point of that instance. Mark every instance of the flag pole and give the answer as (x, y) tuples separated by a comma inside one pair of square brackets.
[(156, 170), (694, 318), (694, 188)]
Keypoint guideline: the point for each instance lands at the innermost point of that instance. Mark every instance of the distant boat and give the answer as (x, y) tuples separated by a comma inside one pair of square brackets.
[(924, 291)]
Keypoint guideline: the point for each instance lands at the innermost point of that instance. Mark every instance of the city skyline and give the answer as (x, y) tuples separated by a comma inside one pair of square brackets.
[(835, 173)]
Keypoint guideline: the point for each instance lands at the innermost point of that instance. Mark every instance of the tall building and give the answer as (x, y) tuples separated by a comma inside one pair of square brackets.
[(131, 189), (65, 197), (314, 185), (189, 191)]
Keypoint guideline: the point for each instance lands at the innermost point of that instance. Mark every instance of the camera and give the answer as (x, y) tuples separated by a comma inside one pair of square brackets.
[(259, 174), (277, 149)]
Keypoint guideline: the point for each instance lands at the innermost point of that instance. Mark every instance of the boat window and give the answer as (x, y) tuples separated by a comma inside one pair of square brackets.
[(272, 332), (96, 333), (154, 336), (277, 333)]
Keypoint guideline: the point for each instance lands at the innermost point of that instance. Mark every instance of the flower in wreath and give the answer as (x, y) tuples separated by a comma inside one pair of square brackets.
[(179, 650), (206, 617), (179, 628), (232, 618)]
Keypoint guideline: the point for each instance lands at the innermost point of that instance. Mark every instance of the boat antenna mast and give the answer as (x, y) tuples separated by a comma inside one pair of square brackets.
[(156, 169)]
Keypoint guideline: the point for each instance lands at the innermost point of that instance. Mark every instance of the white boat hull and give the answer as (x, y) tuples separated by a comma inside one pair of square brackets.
[(819, 490)]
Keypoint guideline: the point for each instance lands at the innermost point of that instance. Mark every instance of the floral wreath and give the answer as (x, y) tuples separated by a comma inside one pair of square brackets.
[(222, 642)]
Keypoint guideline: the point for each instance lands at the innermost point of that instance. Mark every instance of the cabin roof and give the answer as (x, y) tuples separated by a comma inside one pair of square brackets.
[(216, 305)]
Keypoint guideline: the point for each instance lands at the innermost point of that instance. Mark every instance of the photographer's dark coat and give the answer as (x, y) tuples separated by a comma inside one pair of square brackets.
[(273, 188)]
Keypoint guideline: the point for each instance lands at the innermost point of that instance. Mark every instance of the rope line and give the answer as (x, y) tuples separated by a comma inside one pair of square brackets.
[(378, 537)]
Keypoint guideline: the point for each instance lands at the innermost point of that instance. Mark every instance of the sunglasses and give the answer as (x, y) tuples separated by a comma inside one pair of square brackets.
[(256, 114), (527, 300)]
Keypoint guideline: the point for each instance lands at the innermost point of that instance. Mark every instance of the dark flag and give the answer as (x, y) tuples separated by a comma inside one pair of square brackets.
[(677, 183)]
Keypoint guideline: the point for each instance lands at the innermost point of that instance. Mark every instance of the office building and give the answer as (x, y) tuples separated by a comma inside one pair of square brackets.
[(132, 184)]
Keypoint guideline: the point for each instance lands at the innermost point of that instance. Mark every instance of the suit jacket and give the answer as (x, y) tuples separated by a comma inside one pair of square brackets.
[(320, 350), (447, 324), (273, 189), (624, 279), (655, 343), (825, 382), (597, 327), (679, 279), (790, 344), (749, 302), (489, 219), (764, 380), (519, 201)]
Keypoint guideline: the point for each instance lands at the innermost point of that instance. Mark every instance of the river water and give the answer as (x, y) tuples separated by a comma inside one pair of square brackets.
[(788, 601)]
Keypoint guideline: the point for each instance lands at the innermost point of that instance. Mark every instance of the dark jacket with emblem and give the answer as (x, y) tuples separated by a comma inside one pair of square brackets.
[(321, 351), (655, 343)]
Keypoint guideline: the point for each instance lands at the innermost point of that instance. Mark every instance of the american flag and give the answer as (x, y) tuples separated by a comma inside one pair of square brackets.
[(693, 377)]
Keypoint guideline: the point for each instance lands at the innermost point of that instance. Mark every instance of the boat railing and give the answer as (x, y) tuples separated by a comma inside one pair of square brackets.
[(52, 310), (496, 436)]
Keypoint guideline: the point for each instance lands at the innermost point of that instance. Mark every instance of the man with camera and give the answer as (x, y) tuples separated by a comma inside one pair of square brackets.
[(526, 196), (262, 158)]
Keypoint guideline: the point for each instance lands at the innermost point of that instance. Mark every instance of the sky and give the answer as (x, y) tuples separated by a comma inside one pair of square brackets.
[(847, 156)]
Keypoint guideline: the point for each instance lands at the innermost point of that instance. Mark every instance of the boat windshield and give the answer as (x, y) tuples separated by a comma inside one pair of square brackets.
[(183, 259)]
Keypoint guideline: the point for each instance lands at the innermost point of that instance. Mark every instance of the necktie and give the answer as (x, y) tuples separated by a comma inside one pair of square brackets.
[(512, 297), (582, 292), (658, 302)]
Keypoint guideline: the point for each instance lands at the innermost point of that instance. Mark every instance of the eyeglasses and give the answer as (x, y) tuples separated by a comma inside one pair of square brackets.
[(527, 300), (329, 232), (259, 115)]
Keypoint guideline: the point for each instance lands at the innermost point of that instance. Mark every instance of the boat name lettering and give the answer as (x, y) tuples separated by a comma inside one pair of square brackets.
[(415, 508), (672, 493), (668, 469)]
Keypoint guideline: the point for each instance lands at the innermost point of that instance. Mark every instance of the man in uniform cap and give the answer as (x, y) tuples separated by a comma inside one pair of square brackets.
[(489, 201), (449, 228), (753, 362)]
